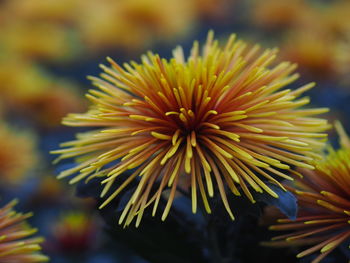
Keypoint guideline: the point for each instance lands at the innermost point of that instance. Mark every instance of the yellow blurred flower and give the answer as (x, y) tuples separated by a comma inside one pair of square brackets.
[(215, 10), (278, 14), (52, 30), (133, 24), (62, 11), (36, 40), (75, 232), (313, 34), (18, 155), (315, 53), (27, 88)]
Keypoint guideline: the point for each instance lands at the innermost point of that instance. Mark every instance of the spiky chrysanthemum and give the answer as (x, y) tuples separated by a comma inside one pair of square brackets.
[(16, 242), (324, 204), (221, 115)]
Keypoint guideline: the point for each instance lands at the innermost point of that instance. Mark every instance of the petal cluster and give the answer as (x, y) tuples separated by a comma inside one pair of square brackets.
[(16, 241), (220, 118), (324, 202)]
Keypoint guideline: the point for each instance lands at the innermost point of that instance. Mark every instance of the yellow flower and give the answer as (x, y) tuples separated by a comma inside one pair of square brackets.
[(218, 118), (16, 243), (324, 204)]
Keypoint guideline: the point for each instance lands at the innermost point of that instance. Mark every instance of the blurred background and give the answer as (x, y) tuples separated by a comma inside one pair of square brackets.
[(47, 48)]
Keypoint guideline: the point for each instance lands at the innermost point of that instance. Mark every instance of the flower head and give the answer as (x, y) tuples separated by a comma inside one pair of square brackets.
[(218, 118), (324, 205), (16, 243)]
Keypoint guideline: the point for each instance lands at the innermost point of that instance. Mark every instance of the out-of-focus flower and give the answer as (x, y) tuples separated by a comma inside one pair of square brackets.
[(104, 23), (62, 11), (16, 241), (299, 15), (17, 154), (220, 115), (314, 53), (335, 18), (36, 94), (48, 107), (52, 30), (318, 47), (216, 11), (324, 205), (32, 79), (278, 14), (42, 41), (342, 57), (75, 232), (36, 30)]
